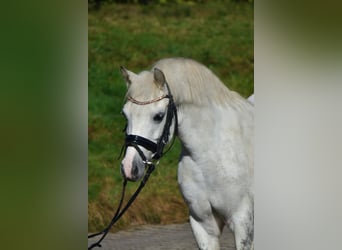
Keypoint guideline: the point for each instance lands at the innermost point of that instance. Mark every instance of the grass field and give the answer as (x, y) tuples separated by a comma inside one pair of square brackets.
[(218, 34)]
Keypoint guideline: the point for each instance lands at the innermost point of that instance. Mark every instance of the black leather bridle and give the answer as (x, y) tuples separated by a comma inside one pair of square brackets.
[(157, 148)]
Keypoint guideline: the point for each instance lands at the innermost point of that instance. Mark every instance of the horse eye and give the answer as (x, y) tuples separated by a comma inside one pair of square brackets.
[(158, 117)]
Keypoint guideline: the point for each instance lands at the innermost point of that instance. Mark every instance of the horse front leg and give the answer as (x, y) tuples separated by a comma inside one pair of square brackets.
[(206, 233), (206, 226), (243, 225), (244, 238)]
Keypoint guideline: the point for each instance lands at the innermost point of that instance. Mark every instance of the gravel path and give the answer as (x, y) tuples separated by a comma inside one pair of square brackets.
[(166, 237)]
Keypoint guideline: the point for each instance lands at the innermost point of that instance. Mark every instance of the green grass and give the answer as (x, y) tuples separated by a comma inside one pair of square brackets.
[(218, 34)]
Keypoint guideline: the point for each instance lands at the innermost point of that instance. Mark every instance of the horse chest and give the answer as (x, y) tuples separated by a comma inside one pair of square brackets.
[(203, 184)]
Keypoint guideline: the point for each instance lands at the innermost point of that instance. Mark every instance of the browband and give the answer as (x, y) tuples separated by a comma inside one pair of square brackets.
[(147, 102)]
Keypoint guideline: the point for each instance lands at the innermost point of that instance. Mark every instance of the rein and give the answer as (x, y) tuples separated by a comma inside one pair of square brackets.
[(156, 148), (119, 213)]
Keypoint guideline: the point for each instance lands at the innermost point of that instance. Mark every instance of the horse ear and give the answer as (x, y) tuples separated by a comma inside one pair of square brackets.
[(126, 74), (159, 77)]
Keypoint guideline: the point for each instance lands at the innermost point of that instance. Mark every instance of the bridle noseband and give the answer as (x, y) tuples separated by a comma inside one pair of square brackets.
[(157, 149)]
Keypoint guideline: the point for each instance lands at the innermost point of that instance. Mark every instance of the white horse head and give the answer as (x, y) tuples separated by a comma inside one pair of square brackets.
[(148, 121)]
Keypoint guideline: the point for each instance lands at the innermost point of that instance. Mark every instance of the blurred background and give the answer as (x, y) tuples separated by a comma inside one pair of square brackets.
[(136, 34)]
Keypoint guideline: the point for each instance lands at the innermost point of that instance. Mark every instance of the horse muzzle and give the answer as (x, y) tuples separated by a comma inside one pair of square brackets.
[(132, 166)]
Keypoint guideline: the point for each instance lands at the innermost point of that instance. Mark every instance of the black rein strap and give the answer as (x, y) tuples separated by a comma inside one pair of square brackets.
[(119, 213)]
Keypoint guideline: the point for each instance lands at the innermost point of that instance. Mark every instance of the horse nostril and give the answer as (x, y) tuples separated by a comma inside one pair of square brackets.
[(135, 170)]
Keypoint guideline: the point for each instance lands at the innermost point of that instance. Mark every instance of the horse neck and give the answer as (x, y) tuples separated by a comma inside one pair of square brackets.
[(203, 128), (194, 126)]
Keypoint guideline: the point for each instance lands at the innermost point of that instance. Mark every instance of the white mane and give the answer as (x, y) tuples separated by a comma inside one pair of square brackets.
[(191, 82)]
